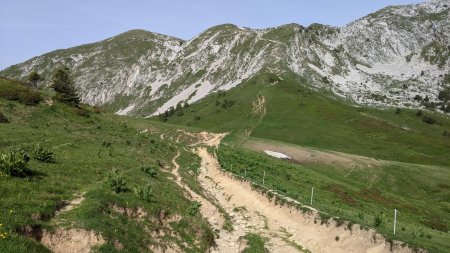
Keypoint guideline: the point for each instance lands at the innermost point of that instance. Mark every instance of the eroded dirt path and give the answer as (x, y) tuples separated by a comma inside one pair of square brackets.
[(286, 229), (208, 210), (70, 240)]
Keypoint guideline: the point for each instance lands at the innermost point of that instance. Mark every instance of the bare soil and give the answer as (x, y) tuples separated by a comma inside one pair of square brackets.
[(287, 229)]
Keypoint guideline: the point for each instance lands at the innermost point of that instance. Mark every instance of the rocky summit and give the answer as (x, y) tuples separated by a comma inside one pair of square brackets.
[(395, 57)]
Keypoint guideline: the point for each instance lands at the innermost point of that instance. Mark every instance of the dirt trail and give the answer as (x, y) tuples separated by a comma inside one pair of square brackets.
[(71, 204), (286, 229), (63, 240), (228, 242)]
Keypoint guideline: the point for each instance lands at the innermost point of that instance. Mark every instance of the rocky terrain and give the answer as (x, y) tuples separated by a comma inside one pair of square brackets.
[(398, 56)]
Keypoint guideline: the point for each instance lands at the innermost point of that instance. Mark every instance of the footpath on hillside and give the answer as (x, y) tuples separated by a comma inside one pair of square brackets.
[(285, 229)]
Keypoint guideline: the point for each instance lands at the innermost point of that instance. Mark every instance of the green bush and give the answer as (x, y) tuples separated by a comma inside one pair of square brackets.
[(152, 171), (29, 98), (143, 192), (429, 120), (3, 118), (194, 208), (418, 233), (116, 182), (14, 163), (444, 95), (378, 221), (16, 91), (82, 112), (43, 154)]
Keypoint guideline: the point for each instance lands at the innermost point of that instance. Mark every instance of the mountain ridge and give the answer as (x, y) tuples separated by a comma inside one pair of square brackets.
[(385, 59)]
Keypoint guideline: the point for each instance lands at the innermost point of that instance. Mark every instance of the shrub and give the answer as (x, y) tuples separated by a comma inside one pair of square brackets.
[(419, 113), (14, 163), (9, 92), (98, 109), (398, 111), (180, 113), (336, 238), (418, 233), (116, 182), (196, 117), (228, 103), (418, 98), (194, 208), (3, 118), (43, 154), (378, 221), (429, 120), (82, 112), (444, 95), (19, 92), (143, 192), (152, 171), (29, 98)]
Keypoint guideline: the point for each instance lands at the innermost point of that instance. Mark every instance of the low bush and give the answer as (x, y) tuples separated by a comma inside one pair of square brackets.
[(143, 192), (152, 171), (3, 118), (82, 112), (43, 154), (14, 163), (429, 120), (116, 182), (29, 98), (16, 91), (194, 208), (378, 221)]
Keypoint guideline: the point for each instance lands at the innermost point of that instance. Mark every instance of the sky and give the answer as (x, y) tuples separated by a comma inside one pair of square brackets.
[(30, 27)]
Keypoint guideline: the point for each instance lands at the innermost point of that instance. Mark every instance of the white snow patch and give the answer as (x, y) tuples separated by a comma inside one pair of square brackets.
[(277, 154)]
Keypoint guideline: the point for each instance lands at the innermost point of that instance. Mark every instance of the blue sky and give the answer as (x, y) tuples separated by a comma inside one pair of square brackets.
[(30, 27)]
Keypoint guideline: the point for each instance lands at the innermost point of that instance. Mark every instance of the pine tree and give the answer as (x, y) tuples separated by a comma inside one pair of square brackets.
[(33, 79), (63, 84)]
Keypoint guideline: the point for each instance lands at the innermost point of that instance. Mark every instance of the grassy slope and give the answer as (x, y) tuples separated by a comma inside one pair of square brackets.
[(83, 160), (298, 115), (421, 193)]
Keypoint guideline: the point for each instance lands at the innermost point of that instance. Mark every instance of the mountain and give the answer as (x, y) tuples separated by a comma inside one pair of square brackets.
[(398, 56), (77, 178)]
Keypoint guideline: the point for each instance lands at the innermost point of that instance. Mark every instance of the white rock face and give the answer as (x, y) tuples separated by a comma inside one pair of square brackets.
[(384, 59)]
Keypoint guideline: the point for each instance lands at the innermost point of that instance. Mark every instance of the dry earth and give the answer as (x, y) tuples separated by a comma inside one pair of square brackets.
[(286, 229)]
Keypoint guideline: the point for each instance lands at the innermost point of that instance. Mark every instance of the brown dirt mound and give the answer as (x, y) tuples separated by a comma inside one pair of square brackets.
[(71, 240)]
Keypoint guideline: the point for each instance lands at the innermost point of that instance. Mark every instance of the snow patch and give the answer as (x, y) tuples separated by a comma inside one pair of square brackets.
[(277, 154)]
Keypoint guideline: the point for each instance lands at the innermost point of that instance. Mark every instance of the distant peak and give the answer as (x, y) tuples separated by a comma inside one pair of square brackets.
[(141, 33)]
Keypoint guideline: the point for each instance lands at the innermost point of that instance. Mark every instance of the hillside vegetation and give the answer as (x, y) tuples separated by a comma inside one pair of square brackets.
[(356, 189), (89, 174), (287, 109), (78, 171)]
